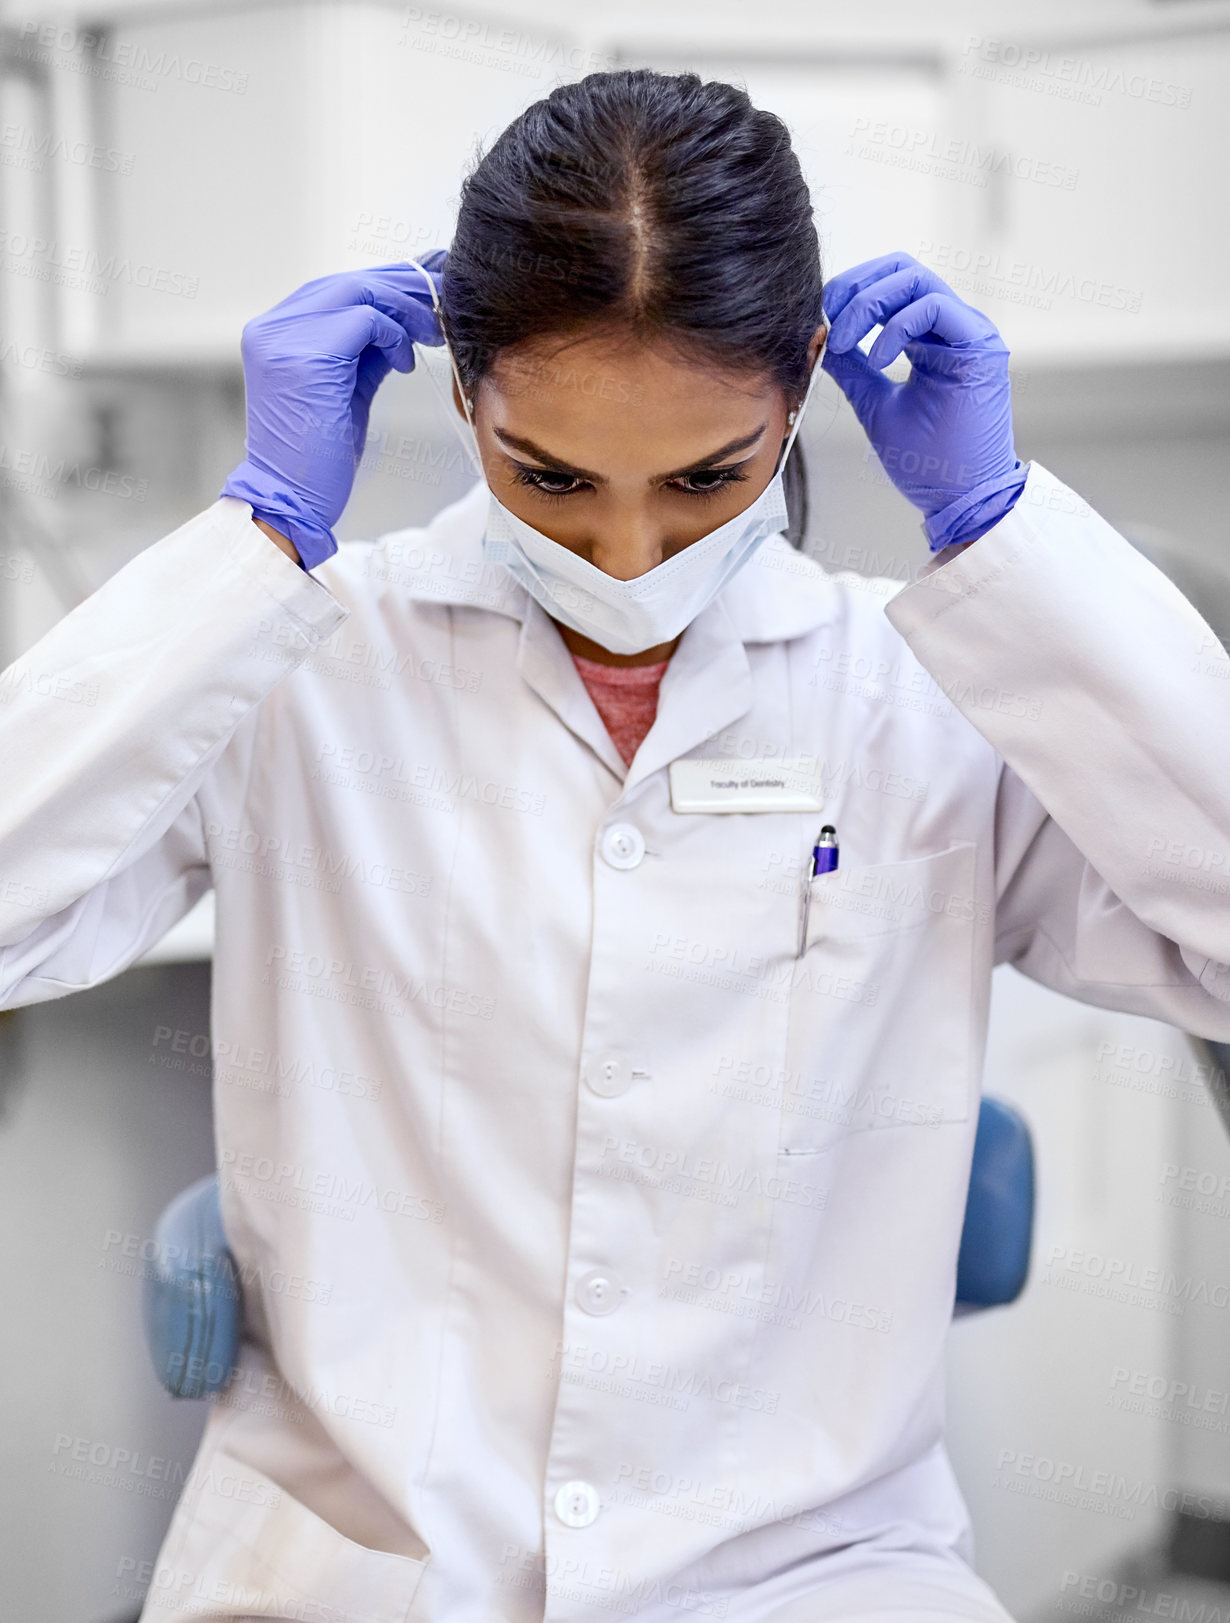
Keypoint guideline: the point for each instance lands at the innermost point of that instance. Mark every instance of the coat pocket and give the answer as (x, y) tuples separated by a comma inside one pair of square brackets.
[(879, 1017), (250, 1541)]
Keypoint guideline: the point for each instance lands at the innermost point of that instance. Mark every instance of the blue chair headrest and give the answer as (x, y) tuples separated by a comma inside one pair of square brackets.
[(191, 1299), (993, 1261)]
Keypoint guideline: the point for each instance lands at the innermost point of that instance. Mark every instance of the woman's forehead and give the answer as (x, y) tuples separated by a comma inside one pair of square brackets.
[(621, 371)]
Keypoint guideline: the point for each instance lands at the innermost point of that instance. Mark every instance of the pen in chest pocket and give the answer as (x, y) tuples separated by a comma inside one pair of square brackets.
[(823, 860)]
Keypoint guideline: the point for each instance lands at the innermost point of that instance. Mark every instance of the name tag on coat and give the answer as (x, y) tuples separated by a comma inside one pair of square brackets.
[(747, 786)]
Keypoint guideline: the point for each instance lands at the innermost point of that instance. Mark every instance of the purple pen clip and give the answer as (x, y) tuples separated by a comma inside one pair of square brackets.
[(825, 851)]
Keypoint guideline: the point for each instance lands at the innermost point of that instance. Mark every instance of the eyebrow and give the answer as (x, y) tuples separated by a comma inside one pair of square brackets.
[(557, 465)]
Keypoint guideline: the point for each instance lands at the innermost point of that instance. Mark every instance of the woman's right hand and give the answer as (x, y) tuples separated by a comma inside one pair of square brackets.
[(311, 366)]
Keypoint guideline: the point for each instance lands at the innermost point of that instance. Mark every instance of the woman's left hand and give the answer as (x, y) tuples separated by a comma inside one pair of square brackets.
[(944, 436)]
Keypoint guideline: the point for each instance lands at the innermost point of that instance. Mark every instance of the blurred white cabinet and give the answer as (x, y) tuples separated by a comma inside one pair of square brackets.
[(1101, 232), (286, 143)]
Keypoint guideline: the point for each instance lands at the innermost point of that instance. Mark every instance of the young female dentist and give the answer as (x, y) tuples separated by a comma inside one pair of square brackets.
[(596, 1178)]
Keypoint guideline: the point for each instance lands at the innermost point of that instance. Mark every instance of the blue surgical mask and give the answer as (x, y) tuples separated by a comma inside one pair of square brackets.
[(629, 616)]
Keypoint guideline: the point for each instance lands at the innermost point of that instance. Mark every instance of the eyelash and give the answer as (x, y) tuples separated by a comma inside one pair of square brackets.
[(530, 478)]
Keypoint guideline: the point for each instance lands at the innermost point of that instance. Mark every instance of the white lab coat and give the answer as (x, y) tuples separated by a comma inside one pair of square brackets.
[(598, 1253)]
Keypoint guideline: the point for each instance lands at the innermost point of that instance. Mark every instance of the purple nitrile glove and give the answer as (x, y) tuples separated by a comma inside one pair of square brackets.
[(311, 366), (944, 436)]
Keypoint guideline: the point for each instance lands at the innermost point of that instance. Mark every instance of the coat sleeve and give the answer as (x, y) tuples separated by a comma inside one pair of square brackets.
[(109, 725), (1107, 697)]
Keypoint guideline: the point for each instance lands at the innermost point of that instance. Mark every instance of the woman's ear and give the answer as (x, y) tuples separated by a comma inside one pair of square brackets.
[(813, 350), (460, 404)]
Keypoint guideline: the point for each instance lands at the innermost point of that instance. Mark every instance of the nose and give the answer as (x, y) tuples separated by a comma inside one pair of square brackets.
[(627, 547)]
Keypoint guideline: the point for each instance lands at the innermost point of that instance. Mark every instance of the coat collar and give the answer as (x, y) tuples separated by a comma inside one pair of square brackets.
[(778, 594)]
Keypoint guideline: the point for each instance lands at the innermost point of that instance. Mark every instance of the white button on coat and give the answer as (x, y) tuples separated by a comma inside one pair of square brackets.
[(623, 846), (608, 1075), (390, 774), (576, 1504), (599, 1292)]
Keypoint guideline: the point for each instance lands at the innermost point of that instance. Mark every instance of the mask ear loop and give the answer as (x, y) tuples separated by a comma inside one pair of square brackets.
[(798, 416), (471, 445)]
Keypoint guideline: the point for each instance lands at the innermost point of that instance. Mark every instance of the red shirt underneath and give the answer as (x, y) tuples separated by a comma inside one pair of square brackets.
[(626, 697)]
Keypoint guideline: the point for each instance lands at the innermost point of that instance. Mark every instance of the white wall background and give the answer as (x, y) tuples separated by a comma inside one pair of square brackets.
[(240, 150)]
